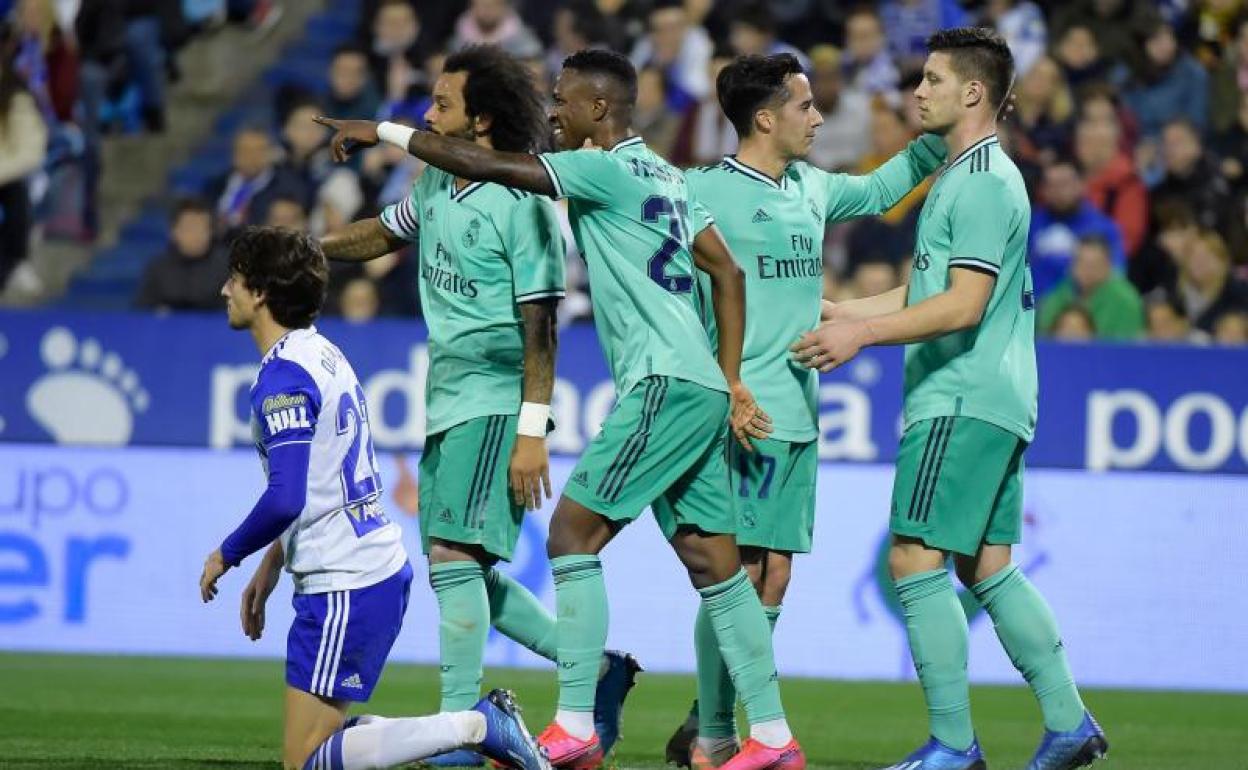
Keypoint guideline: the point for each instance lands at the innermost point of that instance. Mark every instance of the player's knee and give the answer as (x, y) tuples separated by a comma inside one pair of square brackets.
[(443, 551), (906, 559)]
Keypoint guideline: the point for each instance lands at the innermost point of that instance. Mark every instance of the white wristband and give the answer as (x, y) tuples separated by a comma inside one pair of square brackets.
[(396, 134), (533, 419)]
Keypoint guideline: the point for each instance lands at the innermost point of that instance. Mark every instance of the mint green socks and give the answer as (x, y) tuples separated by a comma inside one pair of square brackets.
[(518, 615), (937, 629), (734, 615), (464, 623), (1028, 632), (581, 621), (717, 698)]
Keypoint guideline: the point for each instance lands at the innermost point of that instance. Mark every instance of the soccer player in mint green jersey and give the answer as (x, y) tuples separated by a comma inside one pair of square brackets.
[(492, 271), (772, 208), (967, 321), (663, 444)]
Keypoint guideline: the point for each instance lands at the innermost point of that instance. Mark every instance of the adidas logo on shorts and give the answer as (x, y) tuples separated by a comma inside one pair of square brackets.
[(352, 683), (581, 478), (760, 216), (446, 516)]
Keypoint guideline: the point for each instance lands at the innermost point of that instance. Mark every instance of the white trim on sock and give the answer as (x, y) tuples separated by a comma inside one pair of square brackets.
[(773, 733), (579, 724)]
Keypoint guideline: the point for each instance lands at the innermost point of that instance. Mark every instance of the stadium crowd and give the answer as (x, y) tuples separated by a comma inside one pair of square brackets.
[(1130, 124)]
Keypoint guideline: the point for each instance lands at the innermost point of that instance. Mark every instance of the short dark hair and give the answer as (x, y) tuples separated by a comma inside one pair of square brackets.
[(349, 49), (978, 53), (750, 83), (189, 206), (1097, 240), (501, 86), (616, 66), (290, 269)]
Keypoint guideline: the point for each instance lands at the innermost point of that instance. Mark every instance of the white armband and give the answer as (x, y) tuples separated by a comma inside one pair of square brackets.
[(533, 419), (396, 134)]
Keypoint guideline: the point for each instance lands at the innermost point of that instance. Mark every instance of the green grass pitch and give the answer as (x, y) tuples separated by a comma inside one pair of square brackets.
[(63, 712)]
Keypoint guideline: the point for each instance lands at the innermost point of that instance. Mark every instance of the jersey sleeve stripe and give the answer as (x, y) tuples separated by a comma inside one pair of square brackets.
[(543, 294), (287, 443), (979, 265), (554, 178), (407, 218)]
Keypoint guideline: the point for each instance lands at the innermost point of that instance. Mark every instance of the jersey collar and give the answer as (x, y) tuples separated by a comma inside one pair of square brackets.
[(272, 352), (987, 140), (629, 142), (753, 173), (469, 189)]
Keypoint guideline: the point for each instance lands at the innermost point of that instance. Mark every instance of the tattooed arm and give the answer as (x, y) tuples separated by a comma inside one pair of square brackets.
[(530, 463), (361, 241)]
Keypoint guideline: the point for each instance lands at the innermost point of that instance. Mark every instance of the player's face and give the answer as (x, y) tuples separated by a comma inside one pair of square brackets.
[(939, 95), (797, 120), (240, 302), (571, 112), (448, 114)]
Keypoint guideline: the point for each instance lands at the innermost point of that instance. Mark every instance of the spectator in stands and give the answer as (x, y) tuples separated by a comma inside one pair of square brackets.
[(306, 152), (1232, 147), (1074, 324), (495, 22), (337, 202), (890, 237), (154, 30), (1169, 84), (1112, 184), (289, 213), (352, 92), (652, 119), (752, 32), (1022, 25), (23, 146), (1081, 59), (1166, 322), (871, 278), (1043, 112), (1116, 309), (243, 195), (1206, 289), (1191, 176), (909, 23), (1230, 81), (868, 67), (190, 273), (1064, 216), (398, 50), (578, 25), (1231, 328), (1117, 25), (845, 136), (359, 301), (707, 135), (387, 174), (1100, 102), (679, 49)]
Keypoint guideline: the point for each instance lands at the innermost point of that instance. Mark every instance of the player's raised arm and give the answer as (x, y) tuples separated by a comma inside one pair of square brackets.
[(877, 192), (711, 255), (361, 241), (460, 157)]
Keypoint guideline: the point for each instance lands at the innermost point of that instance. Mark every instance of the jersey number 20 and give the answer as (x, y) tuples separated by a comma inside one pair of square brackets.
[(676, 212), (358, 483)]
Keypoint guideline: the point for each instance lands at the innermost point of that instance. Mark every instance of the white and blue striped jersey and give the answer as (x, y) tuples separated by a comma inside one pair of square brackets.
[(306, 393)]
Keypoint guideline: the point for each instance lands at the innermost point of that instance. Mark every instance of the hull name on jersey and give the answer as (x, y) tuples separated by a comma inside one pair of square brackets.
[(448, 280), (286, 419), (797, 267)]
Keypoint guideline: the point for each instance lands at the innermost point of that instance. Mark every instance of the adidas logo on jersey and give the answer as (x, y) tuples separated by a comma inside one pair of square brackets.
[(761, 216), (581, 478), (352, 683)]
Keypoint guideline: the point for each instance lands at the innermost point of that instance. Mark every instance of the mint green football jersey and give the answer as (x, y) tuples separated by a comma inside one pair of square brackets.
[(976, 216), (631, 214), (775, 231), (484, 251)]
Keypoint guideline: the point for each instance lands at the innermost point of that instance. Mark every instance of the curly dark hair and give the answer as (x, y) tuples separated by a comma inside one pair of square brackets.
[(501, 86), (616, 66), (288, 267), (978, 53), (750, 83)]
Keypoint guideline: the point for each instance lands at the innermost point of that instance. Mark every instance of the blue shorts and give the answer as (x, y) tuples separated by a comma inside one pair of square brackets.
[(339, 641)]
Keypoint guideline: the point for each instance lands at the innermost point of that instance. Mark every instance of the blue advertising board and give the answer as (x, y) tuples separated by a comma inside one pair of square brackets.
[(132, 379)]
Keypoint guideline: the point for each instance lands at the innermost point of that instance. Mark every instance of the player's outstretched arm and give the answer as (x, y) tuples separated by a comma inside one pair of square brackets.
[(460, 157), (530, 462), (959, 307), (361, 241), (877, 192), (867, 307), (712, 256)]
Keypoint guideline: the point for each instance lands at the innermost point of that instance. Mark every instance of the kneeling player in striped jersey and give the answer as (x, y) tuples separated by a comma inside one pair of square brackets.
[(322, 515)]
